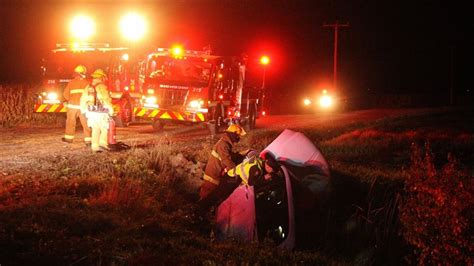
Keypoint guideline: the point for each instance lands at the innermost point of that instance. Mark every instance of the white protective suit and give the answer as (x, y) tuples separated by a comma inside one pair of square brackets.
[(97, 105)]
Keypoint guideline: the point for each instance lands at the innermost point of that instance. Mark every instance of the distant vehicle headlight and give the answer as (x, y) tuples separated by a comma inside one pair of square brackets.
[(306, 102), (325, 101)]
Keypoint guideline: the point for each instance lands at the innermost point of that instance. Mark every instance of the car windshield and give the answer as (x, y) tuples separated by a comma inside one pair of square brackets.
[(190, 71)]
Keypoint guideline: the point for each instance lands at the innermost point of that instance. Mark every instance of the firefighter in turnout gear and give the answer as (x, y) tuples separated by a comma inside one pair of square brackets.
[(216, 184), (72, 94), (97, 105), (249, 171)]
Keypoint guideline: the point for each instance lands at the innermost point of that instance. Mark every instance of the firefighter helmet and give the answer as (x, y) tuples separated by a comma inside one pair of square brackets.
[(236, 129), (99, 74), (80, 69)]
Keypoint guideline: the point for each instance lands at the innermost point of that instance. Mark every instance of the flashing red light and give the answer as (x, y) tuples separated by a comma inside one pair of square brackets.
[(229, 113), (264, 113), (221, 96), (265, 60), (220, 76)]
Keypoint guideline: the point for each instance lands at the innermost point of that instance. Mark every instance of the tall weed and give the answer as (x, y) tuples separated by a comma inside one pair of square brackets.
[(17, 106)]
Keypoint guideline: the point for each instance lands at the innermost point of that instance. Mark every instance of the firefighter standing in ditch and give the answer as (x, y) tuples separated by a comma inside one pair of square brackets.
[(72, 94), (97, 105), (222, 159)]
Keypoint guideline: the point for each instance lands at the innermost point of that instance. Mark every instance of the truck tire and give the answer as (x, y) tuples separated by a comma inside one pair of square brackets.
[(252, 118), (124, 117), (157, 124), (216, 125)]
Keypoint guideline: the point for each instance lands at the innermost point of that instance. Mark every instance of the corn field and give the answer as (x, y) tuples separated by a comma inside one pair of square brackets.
[(16, 107)]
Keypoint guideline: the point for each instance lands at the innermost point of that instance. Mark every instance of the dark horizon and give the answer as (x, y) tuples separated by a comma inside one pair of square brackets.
[(401, 47)]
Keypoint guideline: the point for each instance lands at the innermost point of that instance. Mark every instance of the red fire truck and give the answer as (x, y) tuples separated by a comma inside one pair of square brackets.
[(185, 86), (121, 68)]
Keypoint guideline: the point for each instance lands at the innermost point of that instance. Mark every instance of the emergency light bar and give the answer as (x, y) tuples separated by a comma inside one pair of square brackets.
[(83, 45), (86, 47), (167, 51)]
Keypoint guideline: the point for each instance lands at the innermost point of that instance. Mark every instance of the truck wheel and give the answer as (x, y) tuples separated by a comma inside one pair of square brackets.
[(157, 125), (252, 119), (124, 117), (216, 126)]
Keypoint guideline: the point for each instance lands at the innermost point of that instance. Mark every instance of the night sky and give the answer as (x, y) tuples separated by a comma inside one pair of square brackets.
[(390, 46)]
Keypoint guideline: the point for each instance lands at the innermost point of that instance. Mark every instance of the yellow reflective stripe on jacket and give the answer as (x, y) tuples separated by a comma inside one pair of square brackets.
[(212, 180), (216, 155), (77, 91), (243, 169), (240, 170), (243, 173)]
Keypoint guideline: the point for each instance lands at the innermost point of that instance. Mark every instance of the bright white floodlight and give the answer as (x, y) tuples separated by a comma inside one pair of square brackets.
[(133, 26), (82, 27)]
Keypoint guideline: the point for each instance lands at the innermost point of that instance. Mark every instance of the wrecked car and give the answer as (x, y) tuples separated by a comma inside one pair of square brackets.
[(266, 210)]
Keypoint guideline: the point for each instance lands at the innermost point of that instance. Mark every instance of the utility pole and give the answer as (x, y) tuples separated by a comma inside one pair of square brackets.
[(451, 78), (336, 27)]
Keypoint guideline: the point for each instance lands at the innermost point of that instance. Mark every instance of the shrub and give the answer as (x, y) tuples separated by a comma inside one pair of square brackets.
[(436, 209)]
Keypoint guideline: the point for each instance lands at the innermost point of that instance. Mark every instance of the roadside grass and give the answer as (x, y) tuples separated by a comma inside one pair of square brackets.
[(133, 207)]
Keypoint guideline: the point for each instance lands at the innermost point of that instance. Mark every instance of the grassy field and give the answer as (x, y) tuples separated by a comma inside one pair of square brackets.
[(133, 207)]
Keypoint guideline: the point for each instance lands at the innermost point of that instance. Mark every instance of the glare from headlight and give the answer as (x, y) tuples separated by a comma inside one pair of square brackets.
[(306, 101), (151, 100), (52, 96), (195, 104), (325, 101)]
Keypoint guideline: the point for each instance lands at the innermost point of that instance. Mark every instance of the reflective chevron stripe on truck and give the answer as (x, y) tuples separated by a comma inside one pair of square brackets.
[(50, 108), (169, 115)]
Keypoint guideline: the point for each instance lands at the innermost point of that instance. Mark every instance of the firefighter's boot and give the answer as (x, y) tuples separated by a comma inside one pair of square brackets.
[(66, 140)]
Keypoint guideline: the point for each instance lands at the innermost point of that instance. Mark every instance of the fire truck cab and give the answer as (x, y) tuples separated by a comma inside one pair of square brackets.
[(121, 68), (185, 86)]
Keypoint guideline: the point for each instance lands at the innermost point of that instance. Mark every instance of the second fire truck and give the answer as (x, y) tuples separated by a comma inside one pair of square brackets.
[(195, 87)]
